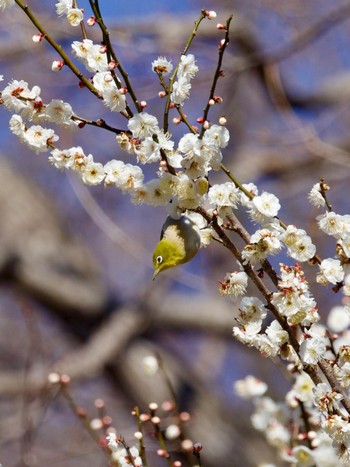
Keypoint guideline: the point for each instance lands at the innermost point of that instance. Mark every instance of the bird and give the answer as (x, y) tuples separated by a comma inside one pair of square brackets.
[(180, 241)]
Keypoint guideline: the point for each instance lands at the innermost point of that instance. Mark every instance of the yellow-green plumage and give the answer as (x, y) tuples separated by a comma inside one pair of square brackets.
[(179, 242)]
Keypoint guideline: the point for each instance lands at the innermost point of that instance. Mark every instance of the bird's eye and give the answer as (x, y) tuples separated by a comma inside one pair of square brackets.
[(159, 259)]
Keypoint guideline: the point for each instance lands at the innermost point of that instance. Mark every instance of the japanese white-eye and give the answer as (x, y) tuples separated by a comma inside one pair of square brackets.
[(180, 240)]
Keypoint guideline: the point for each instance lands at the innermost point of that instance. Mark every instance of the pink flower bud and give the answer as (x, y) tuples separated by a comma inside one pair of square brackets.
[(206, 125), (112, 65), (91, 21), (123, 90), (221, 26), (37, 38), (221, 43), (210, 14), (143, 104), (218, 99), (103, 49), (161, 94), (200, 120), (177, 120), (57, 65)]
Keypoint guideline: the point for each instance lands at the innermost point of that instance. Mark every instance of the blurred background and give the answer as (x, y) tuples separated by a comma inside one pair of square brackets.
[(76, 290)]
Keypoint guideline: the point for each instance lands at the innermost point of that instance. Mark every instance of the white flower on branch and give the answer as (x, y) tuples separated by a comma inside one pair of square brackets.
[(162, 66), (63, 7), (225, 194), (325, 399), (17, 96), (17, 126), (187, 67), (331, 271), (250, 387), (235, 283), (114, 98), (251, 188), (181, 91), (263, 207), (334, 224), (298, 243), (315, 196), (142, 125), (59, 112), (338, 319), (313, 349), (93, 173), (251, 314), (38, 138), (342, 374), (75, 16), (262, 243), (302, 456)]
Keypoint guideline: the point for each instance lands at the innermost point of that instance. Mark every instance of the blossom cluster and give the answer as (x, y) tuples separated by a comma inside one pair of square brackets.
[(283, 423), (183, 183)]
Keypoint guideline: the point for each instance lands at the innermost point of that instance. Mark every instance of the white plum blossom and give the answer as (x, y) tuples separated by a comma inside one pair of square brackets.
[(313, 349), (93, 173), (162, 66), (142, 125), (315, 196), (103, 81), (90, 54), (114, 98), (218, 134), (225, 194), (112, 441), (330, 271), (344, 245), (276, 334), (342, 374), (156, 192), (38, 138), (262, 243), (181, 91), (250, 387), (18, 97), (187, 67), (63, 6), (81, 49), (338, 319), (293, 300), (235, 283), (302, 456), (96, 60), (332, 224), (17, 126), (264, 206), (298, 243), (326, 399), (59, 112), (250, 315), (250, 188), (123, 458), (75, 16)]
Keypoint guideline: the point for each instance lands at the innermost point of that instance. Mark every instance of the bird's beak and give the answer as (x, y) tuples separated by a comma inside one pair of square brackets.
[(155, 274)]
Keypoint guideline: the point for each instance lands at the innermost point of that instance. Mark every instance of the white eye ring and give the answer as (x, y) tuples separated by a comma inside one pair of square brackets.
[(159, 259)]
